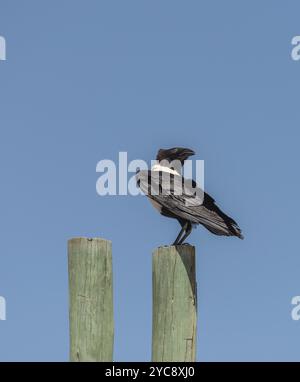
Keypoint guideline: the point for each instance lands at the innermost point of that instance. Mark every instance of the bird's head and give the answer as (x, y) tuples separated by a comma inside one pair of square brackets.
[(175, 153)]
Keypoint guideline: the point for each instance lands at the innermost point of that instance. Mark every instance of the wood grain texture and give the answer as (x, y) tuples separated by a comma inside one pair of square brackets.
[(91, 300), (174, 304)]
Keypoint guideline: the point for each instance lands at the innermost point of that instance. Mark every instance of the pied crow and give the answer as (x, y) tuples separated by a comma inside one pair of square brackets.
[(179, 198)]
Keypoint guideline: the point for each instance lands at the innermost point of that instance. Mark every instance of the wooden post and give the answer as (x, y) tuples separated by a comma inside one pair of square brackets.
[(91, 300), (174, 304)]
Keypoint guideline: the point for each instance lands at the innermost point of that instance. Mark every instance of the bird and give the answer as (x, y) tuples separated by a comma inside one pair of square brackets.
[(180, 198)]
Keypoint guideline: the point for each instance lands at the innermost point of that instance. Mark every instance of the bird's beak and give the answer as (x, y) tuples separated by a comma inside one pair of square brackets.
[(189, 152)]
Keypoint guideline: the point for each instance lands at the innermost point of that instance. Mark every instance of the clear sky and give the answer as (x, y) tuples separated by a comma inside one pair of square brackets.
[(84, 80)]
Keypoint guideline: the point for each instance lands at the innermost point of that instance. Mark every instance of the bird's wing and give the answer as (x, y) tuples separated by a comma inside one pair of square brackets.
[(185, 200)]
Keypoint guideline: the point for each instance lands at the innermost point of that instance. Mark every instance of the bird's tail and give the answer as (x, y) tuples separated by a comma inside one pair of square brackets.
[(224, 226)]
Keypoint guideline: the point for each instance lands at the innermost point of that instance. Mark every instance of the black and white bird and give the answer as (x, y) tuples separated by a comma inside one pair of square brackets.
[(181, 198)]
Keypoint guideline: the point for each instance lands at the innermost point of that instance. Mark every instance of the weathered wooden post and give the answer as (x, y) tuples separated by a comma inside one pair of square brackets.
[(174, 304), (91, 299)]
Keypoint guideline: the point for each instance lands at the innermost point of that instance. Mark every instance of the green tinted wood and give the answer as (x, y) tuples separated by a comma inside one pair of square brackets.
[(174, 304), (91, 299)]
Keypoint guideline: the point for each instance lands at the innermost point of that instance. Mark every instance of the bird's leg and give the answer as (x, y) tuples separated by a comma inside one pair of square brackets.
[(184, 227), (188, 231)]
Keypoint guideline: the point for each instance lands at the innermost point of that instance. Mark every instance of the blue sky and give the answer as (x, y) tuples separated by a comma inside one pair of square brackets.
[(84, 80)]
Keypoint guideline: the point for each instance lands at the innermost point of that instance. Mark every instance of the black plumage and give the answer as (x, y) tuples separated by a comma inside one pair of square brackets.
[(181, 199)]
